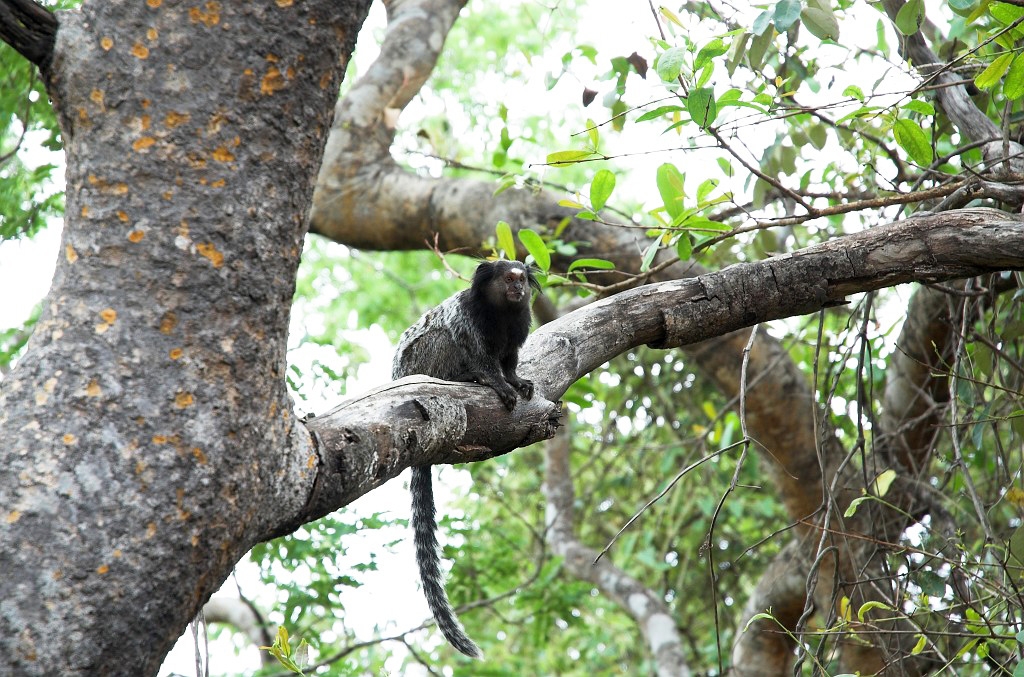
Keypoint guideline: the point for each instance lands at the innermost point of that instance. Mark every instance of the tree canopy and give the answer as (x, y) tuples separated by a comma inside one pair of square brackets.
[(779, 421)]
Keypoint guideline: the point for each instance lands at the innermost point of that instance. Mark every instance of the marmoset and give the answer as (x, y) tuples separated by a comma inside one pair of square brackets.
[(474, 335)]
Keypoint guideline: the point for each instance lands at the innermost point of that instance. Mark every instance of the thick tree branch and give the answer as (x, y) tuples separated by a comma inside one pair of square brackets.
[(648, 609), (30, 29), (391, 430)]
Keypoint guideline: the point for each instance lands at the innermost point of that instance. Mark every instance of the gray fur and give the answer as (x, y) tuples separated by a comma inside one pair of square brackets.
[(474, 335)]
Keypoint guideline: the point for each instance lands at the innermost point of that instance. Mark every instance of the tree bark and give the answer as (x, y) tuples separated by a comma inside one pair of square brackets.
[(147, 433)]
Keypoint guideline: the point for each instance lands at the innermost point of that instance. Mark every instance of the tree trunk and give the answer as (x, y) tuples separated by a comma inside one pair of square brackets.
[(145, 431)]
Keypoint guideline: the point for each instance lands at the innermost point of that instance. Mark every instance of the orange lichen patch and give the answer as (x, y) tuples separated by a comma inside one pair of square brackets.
[(85, 211), (145, 103), (106, 43), (70, 254), (136, 236), (237, 141), (325, 80), (145, 121), (167, 194), (183, 400), (272, 81), (154, 3), (93, 389), (117, 553), (219, 183), (109, 315), (173, 119), (13, 516), (283, 3), (290, 72), (102, 328), (176, 353), (199, 455), (122, 215), (208, 250), (69, 439), (143, 143), (209, 17), (214, 124), (96, 96), (140, 51), (311, 461), (105, 186), (151, 34), (159, 439), (151, 530), (222, 154), (272, 58), (102, 569), (168, 322), (82, 113)]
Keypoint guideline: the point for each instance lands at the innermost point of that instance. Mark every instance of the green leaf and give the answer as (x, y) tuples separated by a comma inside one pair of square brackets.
[(658, 112), (592, 133), (739, 48), (701, 106), (599, 264), (868, 606), (922, 642), (994, 73), (818, 136), (820, 21), (786, 13), (670, 185), (1013, 86), (538, 250), (567, 157), (706, 73), (684, 247), (670, 63), (854, 91), (758, 47), (716, 47), (914, 141), (601, 188), (910, 17), (919, 106), (505, 241), (649, 254), (883, 482), (763, 20), (705, 189), (854, 504), (930, 582), (1005, 13)]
